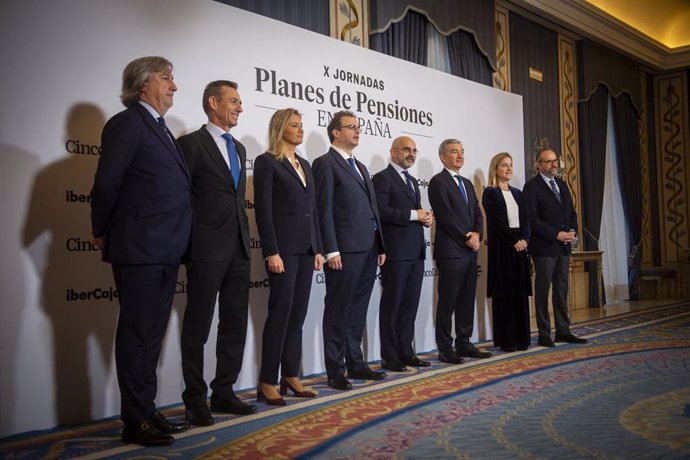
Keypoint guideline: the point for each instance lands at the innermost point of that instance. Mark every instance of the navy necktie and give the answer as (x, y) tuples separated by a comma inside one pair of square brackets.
[(164, 127), (354, 167), (234, 159), (408, 179), (555, 190), (461, 186)]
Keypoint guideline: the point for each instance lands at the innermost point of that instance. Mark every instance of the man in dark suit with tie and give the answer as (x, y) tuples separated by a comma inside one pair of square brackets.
[(459, 227), (553, 221), (219, 261), (403, 219), (140, 208), (352, 242)]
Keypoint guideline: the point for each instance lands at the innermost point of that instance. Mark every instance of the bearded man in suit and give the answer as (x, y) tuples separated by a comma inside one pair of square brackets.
[(553, 221)]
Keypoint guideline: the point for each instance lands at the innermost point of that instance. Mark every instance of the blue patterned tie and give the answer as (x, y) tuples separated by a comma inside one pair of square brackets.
[(234, 159), (461, 186), (164, 127), (555, 190)]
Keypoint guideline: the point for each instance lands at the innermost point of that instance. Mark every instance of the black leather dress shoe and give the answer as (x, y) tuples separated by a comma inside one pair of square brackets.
[(414, 361), (232, 405), (199, 416), (450, 357), (394, 365), (366, 374), (470, 351), (145, 434), (546, 342), (166, 426), (339, 382), (570, 338)]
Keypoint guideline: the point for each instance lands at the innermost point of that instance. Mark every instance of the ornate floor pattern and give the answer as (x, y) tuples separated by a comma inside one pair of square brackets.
[(625, 394)]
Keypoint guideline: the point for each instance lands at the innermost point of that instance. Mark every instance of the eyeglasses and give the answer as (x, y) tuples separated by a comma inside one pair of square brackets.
[(554, 161), (352, 127), (407, 150)]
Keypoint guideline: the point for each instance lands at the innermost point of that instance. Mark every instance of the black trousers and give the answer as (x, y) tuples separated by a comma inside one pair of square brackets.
[(402, 287), (145, 294), (345, 310), (228, 281), (457, 284), (288, 300)]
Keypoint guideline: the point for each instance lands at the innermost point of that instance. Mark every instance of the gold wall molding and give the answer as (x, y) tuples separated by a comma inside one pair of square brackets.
[(673, 163), (502, 74), (570, 157), (647, 253), (350, 21)]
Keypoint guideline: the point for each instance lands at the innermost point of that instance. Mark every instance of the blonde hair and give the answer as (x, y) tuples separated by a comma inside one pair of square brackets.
[(276, 128), (493, 166)]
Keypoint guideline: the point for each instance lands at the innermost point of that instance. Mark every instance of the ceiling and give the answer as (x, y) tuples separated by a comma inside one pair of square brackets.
[(667, 21), (654, 32)]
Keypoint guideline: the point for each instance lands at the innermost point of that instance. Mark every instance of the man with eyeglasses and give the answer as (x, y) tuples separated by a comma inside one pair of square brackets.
[(553, 223), (218, 266), (353, 244), (403, 220), (459, 226)]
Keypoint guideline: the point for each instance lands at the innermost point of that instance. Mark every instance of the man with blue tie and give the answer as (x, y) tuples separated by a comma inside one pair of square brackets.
[(553, 221), (218, 265), (140, 208), (352, 242), (459, 226), (403, 219)]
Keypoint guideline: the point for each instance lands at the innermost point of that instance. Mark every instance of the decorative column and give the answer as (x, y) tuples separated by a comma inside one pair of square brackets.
[(502, 74), (350, 21), (673, 164), (570, 157), (647, 253)]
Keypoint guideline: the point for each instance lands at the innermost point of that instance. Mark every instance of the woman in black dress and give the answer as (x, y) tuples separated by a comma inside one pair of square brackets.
[(508, 284)]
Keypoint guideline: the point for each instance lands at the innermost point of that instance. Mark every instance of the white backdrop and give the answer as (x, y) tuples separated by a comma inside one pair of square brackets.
[(62, 64)]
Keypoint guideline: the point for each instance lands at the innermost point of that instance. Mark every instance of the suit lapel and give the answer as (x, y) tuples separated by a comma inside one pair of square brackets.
[(344, 164), (402, 183), (291, 169), (548, 190), (166, 138), (217, 157)]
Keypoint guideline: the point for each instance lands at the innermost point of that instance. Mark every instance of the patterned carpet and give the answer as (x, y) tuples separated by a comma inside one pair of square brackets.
[(626, 394)]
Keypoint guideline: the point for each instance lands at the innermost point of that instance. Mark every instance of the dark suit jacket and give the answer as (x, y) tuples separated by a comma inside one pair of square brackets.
[(508, 272), (404, 238), (140, 203), (218, 207), (347, 206), (285, 209), (547, 216), (454, 217)]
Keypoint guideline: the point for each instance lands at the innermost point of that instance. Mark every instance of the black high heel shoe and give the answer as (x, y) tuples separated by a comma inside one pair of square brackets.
[(284, 385), (261, 397)]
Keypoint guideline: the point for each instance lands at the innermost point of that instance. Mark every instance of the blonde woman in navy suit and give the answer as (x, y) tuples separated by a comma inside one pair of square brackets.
[(288, 225)]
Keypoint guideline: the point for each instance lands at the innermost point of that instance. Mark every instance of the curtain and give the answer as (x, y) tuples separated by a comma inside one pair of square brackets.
[(627, 131), (447, 16), (406, 39), (592, 133), (312, 15), (465, 61), (611, 239), (437, 51)]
